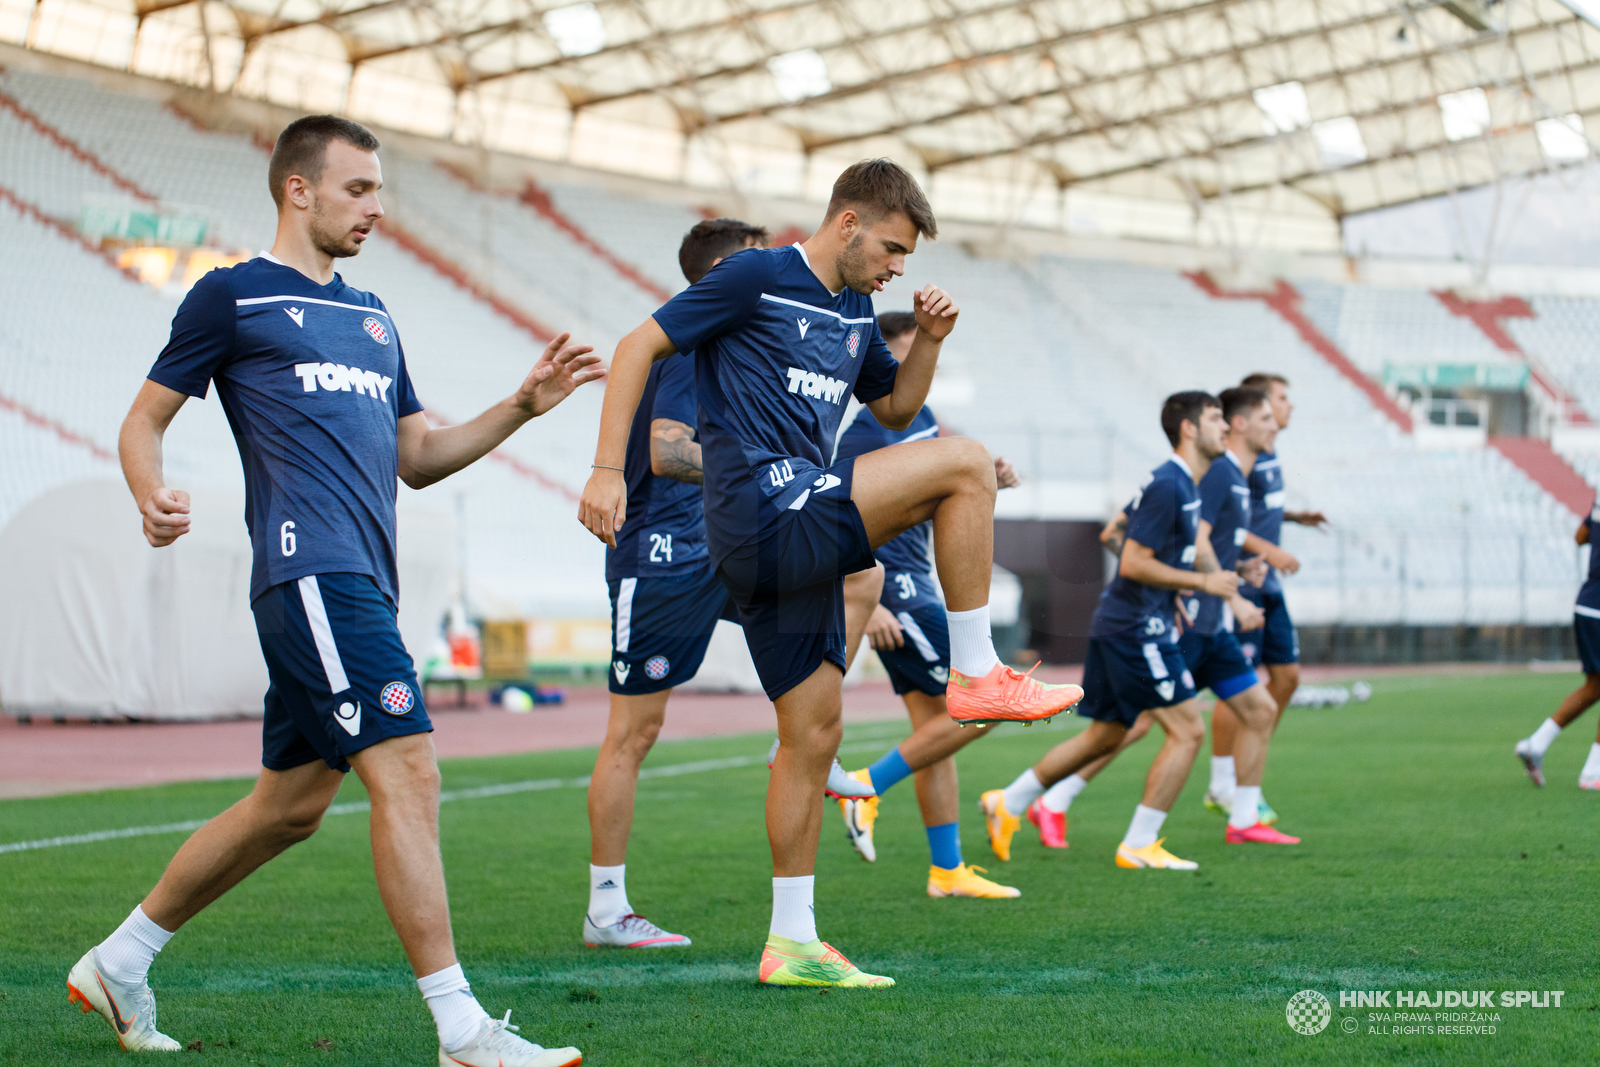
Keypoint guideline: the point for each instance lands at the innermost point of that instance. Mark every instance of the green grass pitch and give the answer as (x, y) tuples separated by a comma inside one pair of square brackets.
[(1430, 863)]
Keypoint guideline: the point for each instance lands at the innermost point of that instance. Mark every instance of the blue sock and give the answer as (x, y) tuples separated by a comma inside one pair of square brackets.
[(890, 768), (944, 843)]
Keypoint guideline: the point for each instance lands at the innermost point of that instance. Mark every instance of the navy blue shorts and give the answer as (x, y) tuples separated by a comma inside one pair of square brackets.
[(340, 678), (1217, 663), (1123, 678), (1274, 643), (789, 581), (660, 628), (1586, 628), (922, 663)]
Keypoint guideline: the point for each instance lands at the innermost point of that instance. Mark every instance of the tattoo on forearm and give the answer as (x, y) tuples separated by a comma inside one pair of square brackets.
[(1116, 536), (674, 453)]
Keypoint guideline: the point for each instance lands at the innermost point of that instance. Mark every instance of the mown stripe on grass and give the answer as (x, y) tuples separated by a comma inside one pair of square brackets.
[(671, 770)]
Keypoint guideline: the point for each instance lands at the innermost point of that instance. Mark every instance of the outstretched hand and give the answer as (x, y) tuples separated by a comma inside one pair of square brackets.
[(1005, 475), (936, 312), (560, 370)]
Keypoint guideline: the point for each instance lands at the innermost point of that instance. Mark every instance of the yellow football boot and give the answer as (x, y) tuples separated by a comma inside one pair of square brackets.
[(859, 815), (1153, 856), (786, 962), (1001, 823), (965, 881)]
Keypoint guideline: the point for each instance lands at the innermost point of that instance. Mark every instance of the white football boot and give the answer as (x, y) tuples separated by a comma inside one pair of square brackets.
[(130, 1010), (840, 785), (630, 931), (1532, 762), (497, 1046)]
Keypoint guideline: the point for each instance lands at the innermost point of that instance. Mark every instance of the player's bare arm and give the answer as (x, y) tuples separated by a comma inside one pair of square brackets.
[(1257, 545), (1139, 564), (1115, 533), (1205, 562), (430, 455), (1582, 536), (936, 316), (165, 511), (1314, 519), (603, 508), (1253, 570), (674, 453)]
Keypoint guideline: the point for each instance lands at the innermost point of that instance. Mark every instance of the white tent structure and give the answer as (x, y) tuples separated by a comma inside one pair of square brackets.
[(101, 624)]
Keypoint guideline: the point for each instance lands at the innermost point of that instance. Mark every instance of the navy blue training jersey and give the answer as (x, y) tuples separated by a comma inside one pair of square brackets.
[(1163, 516), (1589, 595), (907, 559), (776, 358), (1266, 514), (665, 531), (1225, 504), (314, 383)]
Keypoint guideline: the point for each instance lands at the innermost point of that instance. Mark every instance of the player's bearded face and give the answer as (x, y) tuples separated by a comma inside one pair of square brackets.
[(877, 254), (335, 232)]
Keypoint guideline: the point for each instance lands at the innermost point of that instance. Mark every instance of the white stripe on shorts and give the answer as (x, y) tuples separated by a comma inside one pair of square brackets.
[(1152, 656), (322, 633), (918, 638), (625, 612)]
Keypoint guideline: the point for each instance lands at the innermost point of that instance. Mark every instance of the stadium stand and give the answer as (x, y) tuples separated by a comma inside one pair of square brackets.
[(1059, 363)]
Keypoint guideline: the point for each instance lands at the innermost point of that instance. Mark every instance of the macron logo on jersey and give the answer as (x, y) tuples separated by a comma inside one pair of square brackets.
[(804, 324), (336, 377), (298, 315), (817, 386)]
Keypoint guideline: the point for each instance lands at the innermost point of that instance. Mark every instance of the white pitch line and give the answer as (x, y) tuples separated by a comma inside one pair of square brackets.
[(671, 770)]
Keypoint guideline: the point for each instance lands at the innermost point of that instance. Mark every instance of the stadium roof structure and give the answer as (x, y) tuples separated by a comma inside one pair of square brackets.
[(1167, 111)]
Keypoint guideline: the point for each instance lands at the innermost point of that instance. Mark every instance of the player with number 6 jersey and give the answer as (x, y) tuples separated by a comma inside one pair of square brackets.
[(314, 383)]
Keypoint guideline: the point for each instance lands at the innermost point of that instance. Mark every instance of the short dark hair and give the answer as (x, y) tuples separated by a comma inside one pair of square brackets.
[(303, 145), (1240, 401), (1264, 381), (1184, 407), (712, 240), (876, 188), (892, 324)]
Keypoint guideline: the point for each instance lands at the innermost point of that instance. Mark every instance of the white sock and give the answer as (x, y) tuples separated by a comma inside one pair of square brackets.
[(1222, 779), (608, 894), (971, 647), (794, 914), (1547, 732), (1059, 797), (456, 1012), (1022, 792), (1591, 766), (1246, 810), (1145, 827), (130, 950)]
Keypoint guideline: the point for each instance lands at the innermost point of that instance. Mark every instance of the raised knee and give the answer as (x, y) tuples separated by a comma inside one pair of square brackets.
[(977, 463), (292, 827)]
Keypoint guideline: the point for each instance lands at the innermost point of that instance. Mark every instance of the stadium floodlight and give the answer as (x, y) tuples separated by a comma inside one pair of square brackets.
[(578, 29), (800, 74), (1284, 107), (1585, 9), (1465, 114), (1561, 139), (1340, 142)]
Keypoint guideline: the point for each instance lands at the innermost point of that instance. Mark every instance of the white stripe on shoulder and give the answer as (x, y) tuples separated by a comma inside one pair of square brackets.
[(308, 300), (322, 634), (813, 307), (1267, 464), (1191, 505), (1587, 612)]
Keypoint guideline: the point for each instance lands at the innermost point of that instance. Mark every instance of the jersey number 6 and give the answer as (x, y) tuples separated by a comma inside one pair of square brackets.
[(286, 538)]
